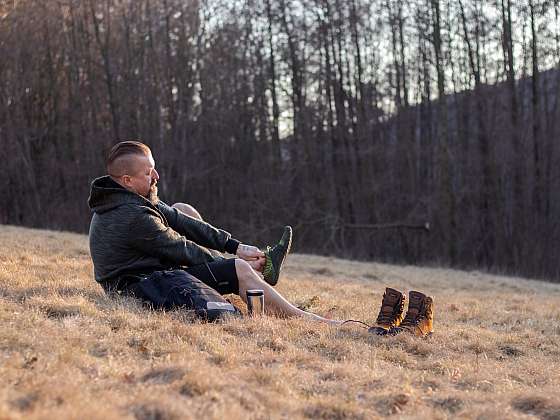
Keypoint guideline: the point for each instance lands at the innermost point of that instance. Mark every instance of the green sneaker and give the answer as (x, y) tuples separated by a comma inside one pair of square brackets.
[(275, 257)]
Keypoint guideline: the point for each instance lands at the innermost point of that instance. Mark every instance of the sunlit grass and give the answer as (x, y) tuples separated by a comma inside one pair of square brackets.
[(68, 351)]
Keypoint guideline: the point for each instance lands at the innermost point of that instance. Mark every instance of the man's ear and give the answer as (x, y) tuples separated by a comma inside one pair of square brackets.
[(127, 181)]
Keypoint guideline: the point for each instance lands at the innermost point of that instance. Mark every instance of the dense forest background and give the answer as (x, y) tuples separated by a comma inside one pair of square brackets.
[(324, 114)]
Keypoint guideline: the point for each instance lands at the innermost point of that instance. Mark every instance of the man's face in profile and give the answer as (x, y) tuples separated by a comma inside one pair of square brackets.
[(144, 177)]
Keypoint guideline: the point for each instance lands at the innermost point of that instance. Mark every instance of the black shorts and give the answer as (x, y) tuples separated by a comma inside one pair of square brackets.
[(199, 288), (219, 275)]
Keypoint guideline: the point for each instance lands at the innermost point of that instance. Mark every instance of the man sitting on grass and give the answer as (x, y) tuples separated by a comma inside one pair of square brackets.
[(167, 255)]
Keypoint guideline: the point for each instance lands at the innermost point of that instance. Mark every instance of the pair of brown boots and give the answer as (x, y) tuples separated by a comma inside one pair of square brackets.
[(419, 318)]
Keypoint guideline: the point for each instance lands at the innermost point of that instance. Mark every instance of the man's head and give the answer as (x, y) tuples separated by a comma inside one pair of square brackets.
[(130, 163)]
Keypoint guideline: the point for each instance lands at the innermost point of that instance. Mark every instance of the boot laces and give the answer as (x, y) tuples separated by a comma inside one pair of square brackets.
[(388, 314), (413, 317)]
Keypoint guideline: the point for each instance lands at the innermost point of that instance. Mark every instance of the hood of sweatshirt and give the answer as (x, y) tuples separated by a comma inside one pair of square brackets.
[(106, 194)]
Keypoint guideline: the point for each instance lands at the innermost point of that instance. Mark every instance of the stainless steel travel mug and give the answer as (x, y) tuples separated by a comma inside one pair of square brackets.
[(255, 302)]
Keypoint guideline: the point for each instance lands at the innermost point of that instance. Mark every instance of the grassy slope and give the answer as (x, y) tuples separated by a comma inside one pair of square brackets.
[(66, 350)]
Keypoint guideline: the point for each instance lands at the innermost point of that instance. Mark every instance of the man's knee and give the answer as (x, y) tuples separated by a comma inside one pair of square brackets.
[(242, 267), (244, 270), (247, 277), (188, 210)]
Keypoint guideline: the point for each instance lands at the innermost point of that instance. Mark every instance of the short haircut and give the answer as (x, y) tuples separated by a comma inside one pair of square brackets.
[(117, 162)]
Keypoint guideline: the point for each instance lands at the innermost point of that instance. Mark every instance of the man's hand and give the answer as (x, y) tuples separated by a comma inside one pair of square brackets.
[(253, 255), (249, 252), (258, 265)]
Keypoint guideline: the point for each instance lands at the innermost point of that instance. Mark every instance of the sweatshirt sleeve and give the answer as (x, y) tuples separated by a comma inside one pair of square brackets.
[(151, 236), (198, 231)]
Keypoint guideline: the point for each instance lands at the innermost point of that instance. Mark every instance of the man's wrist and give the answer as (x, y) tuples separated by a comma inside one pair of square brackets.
[(232, 245)]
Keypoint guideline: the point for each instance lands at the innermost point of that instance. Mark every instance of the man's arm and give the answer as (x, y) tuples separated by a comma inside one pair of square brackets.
[(149, 235), (198, 231)]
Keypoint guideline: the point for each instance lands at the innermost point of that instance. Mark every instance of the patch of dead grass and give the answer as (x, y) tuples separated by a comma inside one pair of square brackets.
[(69, 351)]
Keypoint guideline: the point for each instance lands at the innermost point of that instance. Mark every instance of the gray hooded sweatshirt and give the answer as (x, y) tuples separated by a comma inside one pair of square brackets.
[(128, 235)]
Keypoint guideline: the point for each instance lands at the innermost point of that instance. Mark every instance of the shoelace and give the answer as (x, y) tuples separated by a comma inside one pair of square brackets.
[(385, 317), (411, 320), (388, 314)]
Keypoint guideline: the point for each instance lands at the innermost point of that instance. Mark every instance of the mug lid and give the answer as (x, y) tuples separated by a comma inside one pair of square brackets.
[(255, 292)]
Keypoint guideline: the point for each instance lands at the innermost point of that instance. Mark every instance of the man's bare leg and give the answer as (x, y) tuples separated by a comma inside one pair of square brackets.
[(275, 303), (188, 210)]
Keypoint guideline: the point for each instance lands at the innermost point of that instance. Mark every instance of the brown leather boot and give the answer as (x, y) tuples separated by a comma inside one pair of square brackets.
[(391, 312), (419, 319)]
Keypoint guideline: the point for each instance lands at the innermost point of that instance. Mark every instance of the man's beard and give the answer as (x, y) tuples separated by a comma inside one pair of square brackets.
[(152, 195)]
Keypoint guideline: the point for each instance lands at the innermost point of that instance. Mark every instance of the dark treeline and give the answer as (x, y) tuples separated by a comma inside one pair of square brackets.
[(319, 113)]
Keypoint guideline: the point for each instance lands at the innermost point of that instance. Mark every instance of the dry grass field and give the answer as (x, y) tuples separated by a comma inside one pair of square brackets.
[(68, 351)]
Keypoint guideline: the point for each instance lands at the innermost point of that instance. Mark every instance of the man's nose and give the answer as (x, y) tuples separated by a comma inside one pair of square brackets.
[(155, 175)]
